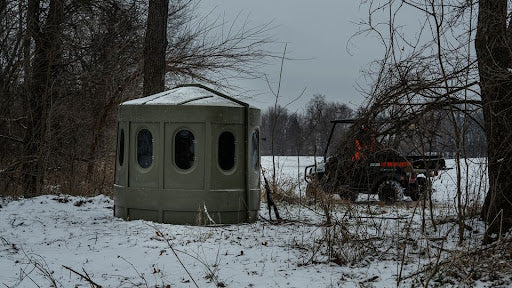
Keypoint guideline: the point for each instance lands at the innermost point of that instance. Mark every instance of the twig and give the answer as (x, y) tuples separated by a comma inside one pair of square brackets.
[(160, 234), (42, 267), (379, 217), (206, 265), (136, 271), (208, 214), (5, 241), (85, 277)]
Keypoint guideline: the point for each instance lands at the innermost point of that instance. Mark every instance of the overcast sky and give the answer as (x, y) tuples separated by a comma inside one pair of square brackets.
[(316, 30)]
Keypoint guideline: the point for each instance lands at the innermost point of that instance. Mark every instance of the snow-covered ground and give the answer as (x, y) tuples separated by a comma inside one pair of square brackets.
[(51, 240)]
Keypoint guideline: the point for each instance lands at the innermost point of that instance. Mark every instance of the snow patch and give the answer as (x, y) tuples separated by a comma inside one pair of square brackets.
[(41, 235), (183, 96)]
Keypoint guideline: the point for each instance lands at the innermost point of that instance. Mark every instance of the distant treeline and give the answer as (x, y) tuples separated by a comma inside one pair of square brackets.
[(307, 133), (303, 133)]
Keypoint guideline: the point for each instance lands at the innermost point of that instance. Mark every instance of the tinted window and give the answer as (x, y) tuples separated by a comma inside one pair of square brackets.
[(184, 149), (226, 151), (121, 148), (255, 149), (144, 148)]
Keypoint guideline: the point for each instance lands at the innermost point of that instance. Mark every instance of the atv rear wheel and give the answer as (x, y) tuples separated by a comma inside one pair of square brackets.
[(390, 191), (420, 191), (415, 193)]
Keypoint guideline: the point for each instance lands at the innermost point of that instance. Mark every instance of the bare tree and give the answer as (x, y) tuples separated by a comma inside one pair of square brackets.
[(435, 69), (213, 51), (77, 60), (66, 65), (46, 61), (318, 116)]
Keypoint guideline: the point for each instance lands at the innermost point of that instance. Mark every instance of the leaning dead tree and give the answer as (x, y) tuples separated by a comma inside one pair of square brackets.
[(431, 74)]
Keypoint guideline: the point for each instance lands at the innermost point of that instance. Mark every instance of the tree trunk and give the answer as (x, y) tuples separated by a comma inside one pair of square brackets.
[(154, 47), (45, 60), (494, 57), (29, 143)]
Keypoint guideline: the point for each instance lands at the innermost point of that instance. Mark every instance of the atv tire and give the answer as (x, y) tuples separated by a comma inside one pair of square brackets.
[(416, 194), (313, 189), (390, 191), (420, 191)]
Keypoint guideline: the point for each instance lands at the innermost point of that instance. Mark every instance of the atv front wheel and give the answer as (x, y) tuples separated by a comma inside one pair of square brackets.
[(390, 191), (313, 189)]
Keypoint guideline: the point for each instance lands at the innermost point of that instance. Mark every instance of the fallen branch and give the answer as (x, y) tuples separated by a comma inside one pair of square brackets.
[(379, 217), (270, 201), (86, 277)]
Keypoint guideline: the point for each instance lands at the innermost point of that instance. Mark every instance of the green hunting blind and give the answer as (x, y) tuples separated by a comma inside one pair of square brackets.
[(189, 155)]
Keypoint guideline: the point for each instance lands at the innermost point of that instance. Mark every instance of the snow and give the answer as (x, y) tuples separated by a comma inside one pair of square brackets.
[(41, 236), (183, 96)]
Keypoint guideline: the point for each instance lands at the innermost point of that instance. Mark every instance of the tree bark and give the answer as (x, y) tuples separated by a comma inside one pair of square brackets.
[(494, 57), (154, 47)]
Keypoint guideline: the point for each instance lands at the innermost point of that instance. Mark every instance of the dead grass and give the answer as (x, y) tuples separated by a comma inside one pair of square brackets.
[(283, 190), (489, 265), (84, 179)]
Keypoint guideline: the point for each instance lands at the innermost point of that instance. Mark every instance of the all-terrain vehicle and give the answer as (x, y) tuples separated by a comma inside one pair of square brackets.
[(371, 168)]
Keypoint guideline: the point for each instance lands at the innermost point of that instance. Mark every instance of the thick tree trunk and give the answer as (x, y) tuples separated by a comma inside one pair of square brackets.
[(494, 57), (155, 46), (45, 60)]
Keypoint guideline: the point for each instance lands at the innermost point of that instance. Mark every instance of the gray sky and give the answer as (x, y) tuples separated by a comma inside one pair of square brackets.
[(315, 30)]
